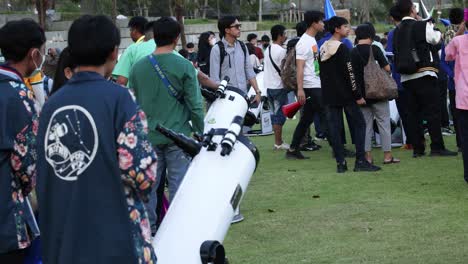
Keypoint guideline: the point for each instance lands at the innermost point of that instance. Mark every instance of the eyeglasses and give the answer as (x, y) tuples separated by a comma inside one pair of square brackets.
[(238, 26)]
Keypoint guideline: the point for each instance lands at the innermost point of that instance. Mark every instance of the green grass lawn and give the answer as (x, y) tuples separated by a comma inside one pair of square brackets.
[(304, 212)]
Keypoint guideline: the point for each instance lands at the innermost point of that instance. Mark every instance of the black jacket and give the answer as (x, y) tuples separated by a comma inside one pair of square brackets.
[(339, 87)]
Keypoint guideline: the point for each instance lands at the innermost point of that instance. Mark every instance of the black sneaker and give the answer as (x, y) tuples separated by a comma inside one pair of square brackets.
[(296, 154), (341, 167), (443, 153), (364, 165), (418, 154), (349, 153), (312, 146)]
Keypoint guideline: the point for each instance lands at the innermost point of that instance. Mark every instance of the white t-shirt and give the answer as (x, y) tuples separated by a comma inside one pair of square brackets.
[(307, 49), (271, 78)]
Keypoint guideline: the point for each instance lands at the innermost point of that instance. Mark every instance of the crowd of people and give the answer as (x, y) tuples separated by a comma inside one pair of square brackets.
[(78, 124)]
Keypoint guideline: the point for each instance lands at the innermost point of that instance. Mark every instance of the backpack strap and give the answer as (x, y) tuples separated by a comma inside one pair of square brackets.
[(272, 62), (170, 88), (223, 53)]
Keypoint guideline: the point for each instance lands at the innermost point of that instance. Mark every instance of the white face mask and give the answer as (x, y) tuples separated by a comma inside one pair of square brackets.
[(213, 41), (38, 68)]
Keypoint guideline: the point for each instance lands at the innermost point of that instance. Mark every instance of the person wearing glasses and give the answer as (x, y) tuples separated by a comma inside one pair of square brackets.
[(230, 57)]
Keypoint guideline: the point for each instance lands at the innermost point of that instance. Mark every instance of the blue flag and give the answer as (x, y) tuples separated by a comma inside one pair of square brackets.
[(328, 10)]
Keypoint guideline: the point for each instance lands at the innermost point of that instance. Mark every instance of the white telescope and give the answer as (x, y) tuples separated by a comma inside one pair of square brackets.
[(223, 163)]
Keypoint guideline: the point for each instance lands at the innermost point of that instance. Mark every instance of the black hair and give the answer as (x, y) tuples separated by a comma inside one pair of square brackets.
[(92, 39), (363, 31), (313, 16), (456, 16), (301, 28), (138, 23), (65, 60), (265, 38), (395, 13), (404, 7), (184, 53), (18, 37), (251, 36), (190, 45), (277, 31), (336, 22), (224, 23), (372, 28), (204, 47), (149, 27), (384, 41), (250, 48), (166, 30)]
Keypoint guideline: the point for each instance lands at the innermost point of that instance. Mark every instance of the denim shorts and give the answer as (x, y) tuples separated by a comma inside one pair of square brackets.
[(277, 98)]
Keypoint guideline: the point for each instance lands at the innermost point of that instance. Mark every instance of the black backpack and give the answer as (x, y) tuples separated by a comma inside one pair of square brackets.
[(405, 56), (223, 53)]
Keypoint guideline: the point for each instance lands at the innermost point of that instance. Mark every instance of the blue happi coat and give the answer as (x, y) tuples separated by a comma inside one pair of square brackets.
[(95, 169)]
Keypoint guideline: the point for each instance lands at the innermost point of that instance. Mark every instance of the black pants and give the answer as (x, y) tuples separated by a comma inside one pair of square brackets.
[(402, 106), (13, 257), (424, 103), (335, 126), (454, 113), (444, 115), (463, 118), (309, 109)]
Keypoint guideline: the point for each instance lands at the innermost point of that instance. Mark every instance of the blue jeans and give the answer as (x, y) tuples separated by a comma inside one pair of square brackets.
[(172, 165), (277, 98)]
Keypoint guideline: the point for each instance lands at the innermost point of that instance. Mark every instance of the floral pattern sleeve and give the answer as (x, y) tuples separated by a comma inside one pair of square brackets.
[(137, 159), (23, 157), (137, 162)]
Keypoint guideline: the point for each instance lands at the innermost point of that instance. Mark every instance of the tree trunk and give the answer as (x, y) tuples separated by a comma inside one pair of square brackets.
[(171, 8), (114, 11), (41, 6), (179, 11), (260, 10), (205, 7)]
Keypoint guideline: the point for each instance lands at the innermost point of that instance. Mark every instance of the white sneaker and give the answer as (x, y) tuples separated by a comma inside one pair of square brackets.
[(282, 146)]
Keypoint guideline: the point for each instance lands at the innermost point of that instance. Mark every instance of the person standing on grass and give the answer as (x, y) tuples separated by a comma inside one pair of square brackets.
[(277, 94), (413, 45), (309, 93), (22, 44), (179, 109), (95, 166), (230, 57), (402, 100), (252, 39), (457, 50), (126, 61), (373, 109), (341, 92)]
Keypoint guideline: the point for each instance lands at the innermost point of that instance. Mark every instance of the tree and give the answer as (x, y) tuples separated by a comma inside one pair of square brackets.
[(179, 12), (41, 7)]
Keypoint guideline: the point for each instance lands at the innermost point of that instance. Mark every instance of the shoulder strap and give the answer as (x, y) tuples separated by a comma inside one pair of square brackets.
[(244, 48), (170, 88), (222, 54), (272, 62), (371, 54)]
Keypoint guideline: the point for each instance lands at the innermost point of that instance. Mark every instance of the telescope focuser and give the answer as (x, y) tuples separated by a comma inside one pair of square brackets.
[(188, 145)]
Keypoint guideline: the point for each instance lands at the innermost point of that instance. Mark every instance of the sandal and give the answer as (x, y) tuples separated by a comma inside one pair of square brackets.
[(391, 161)]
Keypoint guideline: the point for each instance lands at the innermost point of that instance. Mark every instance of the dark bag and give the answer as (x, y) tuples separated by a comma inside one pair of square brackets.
[(379, 84), (289, 71), (405, 59)]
